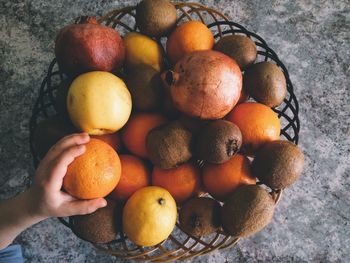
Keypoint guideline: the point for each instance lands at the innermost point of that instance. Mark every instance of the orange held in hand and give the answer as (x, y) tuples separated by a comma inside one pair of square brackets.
[(136, 130), (135, 175), (182, 182), (220, 180), (258, 124), (188, 37), (95, 173)]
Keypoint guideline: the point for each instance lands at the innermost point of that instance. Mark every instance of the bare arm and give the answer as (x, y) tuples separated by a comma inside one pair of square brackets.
[(45, 198), (15, 216)]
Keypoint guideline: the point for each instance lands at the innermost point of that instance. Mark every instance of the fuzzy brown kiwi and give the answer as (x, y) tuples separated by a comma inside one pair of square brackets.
[(169, 145), (155, 17), (240, 48), (218, 141), (50, 131), (278, 164), (249, 209), (200, 216), (266, 83), (145, 86), (101, 226)]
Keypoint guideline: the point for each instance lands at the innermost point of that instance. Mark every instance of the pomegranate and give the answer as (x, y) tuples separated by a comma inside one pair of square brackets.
[(88, 46), (205, 84)]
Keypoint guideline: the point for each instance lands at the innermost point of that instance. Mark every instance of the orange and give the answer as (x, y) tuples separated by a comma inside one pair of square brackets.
[(112, 139), (135, 175), (182, 182), (258, 124), (136, 130), (95, 173), (188, 37), (220, 180)]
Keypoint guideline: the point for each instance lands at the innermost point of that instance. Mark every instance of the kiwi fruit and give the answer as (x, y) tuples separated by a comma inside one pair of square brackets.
[(265, 82), (145, 86), (241, 48), (248, 210), (218, 141), (200, 216), (61, 97), (50, 131), (101, 226), (278, 164), (155, 18), (169, 145)]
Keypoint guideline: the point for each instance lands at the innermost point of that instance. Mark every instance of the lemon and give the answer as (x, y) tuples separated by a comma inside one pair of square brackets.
[(140, 49), (149, 216), (98, 103)]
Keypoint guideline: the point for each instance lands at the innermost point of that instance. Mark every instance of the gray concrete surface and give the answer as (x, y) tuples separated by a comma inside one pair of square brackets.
[(312, 38)]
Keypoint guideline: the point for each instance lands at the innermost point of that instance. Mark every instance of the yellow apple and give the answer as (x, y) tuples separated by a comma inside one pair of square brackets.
[(98, 103)]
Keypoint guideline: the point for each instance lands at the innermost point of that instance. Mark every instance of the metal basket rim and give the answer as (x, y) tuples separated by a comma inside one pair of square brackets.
[(39, 106)]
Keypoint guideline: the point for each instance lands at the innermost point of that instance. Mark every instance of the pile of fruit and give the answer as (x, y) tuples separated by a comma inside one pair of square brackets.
[(155, 115)]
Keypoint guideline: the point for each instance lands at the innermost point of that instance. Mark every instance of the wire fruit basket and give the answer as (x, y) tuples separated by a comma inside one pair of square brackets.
[(179, 245)]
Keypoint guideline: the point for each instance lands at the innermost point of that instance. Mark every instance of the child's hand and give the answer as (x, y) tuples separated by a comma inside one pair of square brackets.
[(47, 197)]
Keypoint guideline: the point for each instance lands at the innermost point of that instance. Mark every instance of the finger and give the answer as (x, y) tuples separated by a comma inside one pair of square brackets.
[(66, 142), (60, 165), (65, 197), (83, 207)]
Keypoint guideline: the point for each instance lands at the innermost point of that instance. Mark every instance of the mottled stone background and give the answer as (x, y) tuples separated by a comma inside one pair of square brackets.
[(311, 37)]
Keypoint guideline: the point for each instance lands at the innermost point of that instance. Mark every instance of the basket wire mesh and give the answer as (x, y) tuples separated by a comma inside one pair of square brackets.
[(179, 244)]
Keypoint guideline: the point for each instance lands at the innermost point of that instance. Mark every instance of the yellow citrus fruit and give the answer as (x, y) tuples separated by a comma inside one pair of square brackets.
[(149, 216), (141, 49), (98, 103)]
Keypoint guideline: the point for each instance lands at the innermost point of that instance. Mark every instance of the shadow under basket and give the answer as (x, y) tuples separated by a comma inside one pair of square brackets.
[(179, 245)]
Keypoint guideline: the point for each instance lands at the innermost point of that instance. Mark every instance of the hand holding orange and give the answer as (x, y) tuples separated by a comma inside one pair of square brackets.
[(95, 173)]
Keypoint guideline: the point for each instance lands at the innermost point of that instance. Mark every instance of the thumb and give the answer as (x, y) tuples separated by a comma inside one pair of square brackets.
[(83, 207)]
